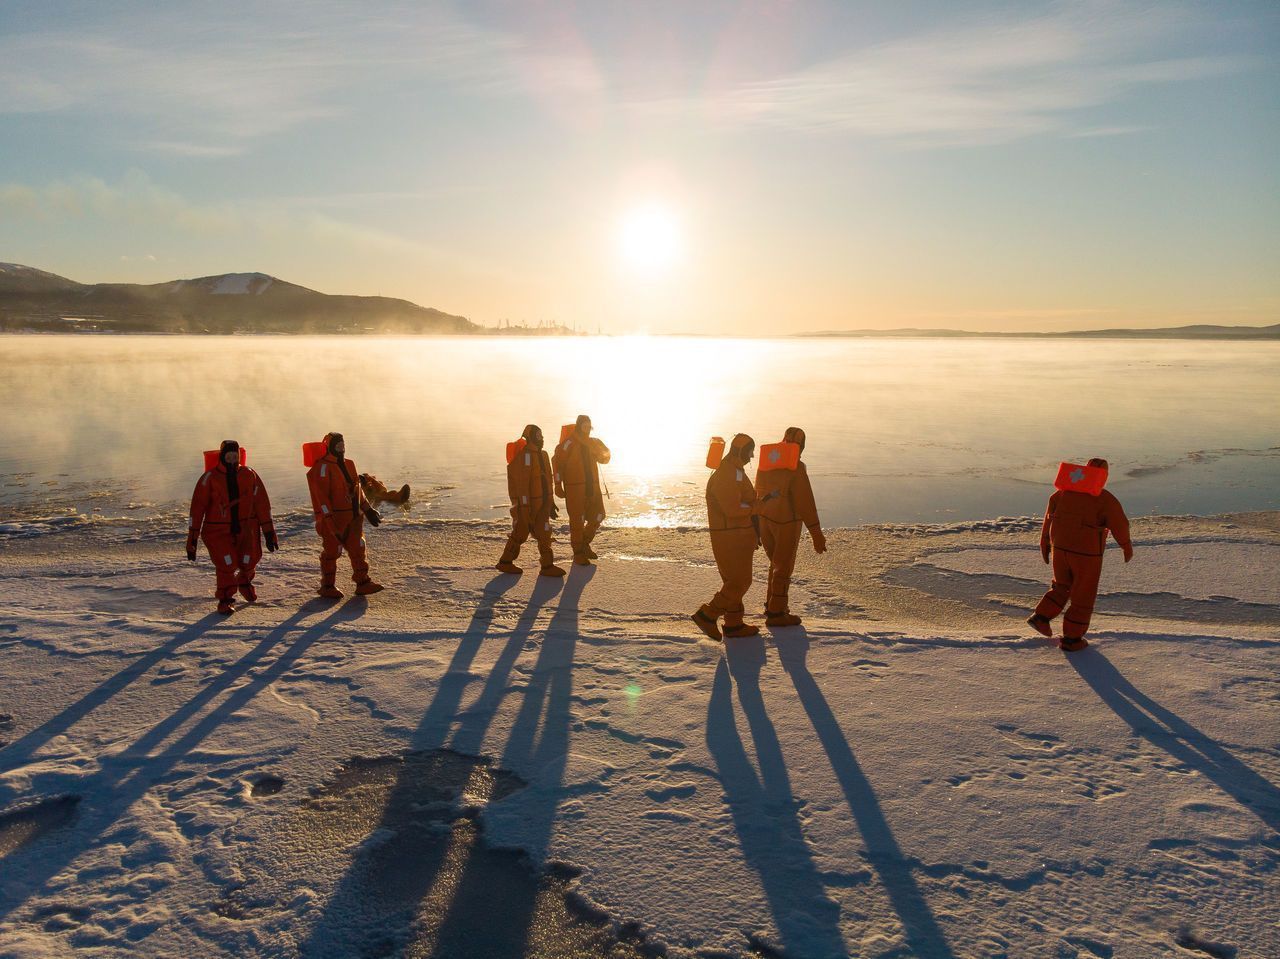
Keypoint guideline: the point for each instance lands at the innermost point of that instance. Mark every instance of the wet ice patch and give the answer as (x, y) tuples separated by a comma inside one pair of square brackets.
[(1198, 570), (22, 825)]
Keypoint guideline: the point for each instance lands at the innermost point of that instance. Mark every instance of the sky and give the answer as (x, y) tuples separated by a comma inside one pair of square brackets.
[(713, 168)]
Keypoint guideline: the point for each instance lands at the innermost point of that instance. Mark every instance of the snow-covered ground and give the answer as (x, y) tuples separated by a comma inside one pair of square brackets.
[(909, 774)]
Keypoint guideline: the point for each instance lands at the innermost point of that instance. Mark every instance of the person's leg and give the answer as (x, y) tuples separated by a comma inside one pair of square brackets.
[(357, 553), (329, 550), (769, 540), (1053, 602), (519, 534), (591, 523), (1084, 593), (222, 551), (782, 564), (546, 555), (249, 551), (737, 584), (575, 505)]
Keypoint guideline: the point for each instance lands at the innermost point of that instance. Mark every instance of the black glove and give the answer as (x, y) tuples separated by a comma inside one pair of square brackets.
[(191, 548), (555, 511), (372, 516), (273, 543)]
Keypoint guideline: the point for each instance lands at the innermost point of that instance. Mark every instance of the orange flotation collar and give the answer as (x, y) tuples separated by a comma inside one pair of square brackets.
[(313, 453), (715, 452), (213, 457), (779, 456), (515, 449), (566, 431), (1075, 478)]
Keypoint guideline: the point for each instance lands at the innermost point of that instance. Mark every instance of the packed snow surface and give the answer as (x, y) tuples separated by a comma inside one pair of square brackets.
[(911, 773)]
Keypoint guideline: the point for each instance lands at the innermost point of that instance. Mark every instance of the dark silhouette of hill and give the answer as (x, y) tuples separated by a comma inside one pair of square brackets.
[(31, 299)]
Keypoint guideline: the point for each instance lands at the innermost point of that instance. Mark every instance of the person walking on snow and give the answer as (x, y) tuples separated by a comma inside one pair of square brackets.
[(340, 511), (532, 505), (1073, 539), (231, 512), (731, 518), (577, 481), (786, 505)]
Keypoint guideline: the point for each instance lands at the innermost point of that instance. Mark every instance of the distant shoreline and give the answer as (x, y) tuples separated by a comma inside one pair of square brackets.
[(1228, 335), (1157, 333)]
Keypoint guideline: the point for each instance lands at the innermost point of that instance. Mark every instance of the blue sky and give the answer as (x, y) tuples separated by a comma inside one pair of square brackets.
[(820, 166)]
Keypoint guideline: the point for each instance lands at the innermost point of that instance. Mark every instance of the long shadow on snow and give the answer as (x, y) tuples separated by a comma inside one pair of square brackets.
[(124, 778), (764, 809), (1170, 732), (370, 913), (478, 924), (21, 750), (360, 918), (924, 937)]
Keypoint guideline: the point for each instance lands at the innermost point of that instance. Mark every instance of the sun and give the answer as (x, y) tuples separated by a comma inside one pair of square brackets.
[(651, 239)]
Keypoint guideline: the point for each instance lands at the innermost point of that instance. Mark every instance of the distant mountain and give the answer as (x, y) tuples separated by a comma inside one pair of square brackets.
[(26, 279), (1198, 332), (31, 299)]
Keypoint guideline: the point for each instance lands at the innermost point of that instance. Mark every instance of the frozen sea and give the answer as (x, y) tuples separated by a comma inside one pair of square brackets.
[(900, 431)]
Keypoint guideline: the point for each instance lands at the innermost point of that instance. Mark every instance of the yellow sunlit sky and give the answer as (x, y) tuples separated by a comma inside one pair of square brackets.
[(718, 168)]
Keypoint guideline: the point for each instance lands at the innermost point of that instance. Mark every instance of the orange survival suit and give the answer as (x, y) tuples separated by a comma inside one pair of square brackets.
[(731, 507), (1074, 537), (529, 484), (781, 518), (231, 512), (340, 510), (577, 481)]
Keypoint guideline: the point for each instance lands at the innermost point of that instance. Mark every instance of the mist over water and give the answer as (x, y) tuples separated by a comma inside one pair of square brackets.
[(921, 430)]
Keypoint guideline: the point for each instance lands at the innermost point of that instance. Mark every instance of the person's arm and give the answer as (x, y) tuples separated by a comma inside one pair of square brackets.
[(806, 508), (556, 467), (548, 477), (1044, 528), (262, 510), (362, 506), (600, 451), (199, 508), (1118, 523)]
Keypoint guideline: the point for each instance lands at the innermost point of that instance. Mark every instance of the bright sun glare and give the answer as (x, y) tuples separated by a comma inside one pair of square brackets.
[(651, 239)]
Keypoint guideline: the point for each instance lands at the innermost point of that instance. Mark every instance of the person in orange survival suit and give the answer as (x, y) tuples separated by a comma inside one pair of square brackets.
[(781, 517), (731, 515), (340, 509), (577, 477), (532, 505), (230, 511), (1074, 537)]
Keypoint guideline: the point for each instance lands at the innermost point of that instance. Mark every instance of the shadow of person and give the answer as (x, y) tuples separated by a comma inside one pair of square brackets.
[(475, 719), (433, 729), (478, 923), (124, 777), (1163, 728), (364, 910), (763, 808), (923, 935), (21, 750)]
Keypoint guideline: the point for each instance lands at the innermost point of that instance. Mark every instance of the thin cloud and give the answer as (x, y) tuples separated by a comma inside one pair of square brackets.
[(972, 85), (207, 82)]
